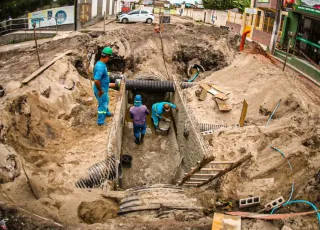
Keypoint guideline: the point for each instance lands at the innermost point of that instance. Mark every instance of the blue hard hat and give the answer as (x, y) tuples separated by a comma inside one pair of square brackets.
[(138, 98)]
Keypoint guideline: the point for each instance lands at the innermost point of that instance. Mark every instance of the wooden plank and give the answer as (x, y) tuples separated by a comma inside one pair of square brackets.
[(221, 162), (205, 86), (197, 179), (190, 182), (243, 113), (217, 88), (209, 169), (200, 174), (203, 95), (221, 96), (230, 168), (222, 105), (43, 68), (221, 221), (197, 169), (213, 92)]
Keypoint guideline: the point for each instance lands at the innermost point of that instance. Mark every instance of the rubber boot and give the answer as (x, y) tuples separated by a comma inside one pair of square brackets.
[(137, 141), (141, 139)]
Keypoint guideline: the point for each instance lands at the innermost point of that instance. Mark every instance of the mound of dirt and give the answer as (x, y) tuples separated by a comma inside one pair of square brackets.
[(98, 211), (294, 129)]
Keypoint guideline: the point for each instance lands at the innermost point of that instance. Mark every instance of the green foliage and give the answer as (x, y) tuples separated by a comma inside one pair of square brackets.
[(241, 4), (18, 8), (226, 4), (218, 4)]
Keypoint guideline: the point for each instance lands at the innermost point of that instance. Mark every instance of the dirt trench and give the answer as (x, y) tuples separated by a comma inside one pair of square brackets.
[(53, 132)]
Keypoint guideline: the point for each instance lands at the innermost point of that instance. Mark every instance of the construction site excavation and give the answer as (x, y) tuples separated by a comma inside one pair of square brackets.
[(240, 148)]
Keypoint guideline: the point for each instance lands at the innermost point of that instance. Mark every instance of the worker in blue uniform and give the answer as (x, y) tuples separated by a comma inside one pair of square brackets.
[(139, 112), (158, 109), (101, 85)]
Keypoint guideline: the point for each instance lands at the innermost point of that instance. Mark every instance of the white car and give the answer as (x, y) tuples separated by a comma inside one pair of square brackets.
[(137, 16)]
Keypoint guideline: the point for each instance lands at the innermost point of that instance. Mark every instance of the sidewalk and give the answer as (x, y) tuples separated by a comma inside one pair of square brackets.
[(110, 24)]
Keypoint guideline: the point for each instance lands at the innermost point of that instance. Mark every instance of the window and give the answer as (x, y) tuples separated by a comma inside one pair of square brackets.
[(144, 12), (258, 19), (268, 22), (134, 12), (308, 39)]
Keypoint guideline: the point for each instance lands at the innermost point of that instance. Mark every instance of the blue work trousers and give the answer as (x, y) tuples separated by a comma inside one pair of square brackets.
[(103, 110), (139, 129)]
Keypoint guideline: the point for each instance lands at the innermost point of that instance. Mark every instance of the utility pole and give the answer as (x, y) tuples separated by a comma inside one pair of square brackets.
[(275, 27)]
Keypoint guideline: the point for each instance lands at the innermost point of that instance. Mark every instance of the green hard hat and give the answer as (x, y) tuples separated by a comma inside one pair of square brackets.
[(107, 51)]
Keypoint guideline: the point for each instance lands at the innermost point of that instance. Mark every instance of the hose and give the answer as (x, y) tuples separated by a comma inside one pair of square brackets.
[(292, 185), (185, 85), (305, 202), (194, 76), (150, 86), (273, 113)]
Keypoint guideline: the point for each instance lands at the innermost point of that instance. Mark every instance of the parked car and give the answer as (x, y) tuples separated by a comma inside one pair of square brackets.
[(136, 16)]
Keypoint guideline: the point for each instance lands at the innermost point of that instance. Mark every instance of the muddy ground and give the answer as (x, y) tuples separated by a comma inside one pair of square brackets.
[(49, 125)]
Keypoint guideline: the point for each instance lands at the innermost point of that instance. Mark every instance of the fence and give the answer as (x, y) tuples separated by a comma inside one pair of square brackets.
[(234, 17), (22, 24)]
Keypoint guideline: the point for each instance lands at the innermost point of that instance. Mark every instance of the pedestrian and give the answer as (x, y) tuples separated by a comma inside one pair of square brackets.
[(158, 109), (139, 112), (101, 85)]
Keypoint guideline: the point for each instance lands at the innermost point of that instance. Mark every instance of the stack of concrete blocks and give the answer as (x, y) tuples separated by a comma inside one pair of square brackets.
[(207, 135), (275, 203), (249, 202)]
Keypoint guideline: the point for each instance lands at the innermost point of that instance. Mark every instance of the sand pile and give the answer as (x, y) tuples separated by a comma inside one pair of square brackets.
[(50, 123), (295, 130)]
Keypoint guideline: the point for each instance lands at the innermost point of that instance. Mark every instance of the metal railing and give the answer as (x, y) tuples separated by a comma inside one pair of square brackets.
[(25, 24)]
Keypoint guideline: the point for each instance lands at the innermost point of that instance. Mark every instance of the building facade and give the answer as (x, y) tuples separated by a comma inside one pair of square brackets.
[(302, 28)]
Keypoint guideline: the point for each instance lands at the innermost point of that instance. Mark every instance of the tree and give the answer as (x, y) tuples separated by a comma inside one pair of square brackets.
[(241, 4), (218, 4), (226, 4)]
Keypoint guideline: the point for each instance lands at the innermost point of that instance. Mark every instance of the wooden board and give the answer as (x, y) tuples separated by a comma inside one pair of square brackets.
[(217, 88), (213, 91), (205, 86), (243, 113), (203, 95), (43, 68), (221, 96), (222, 105), (222, 221)]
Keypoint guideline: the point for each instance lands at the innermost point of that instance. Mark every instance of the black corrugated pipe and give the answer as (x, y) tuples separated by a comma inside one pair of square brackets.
[(185, 85), (151, 86), (115, 76)]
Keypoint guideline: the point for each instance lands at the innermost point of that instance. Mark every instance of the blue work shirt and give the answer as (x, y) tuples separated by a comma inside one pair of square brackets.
[(158, 107), (100, 73)]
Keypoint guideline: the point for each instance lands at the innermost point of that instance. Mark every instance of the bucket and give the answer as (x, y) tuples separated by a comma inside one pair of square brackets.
[(2, 89), (126, 161)]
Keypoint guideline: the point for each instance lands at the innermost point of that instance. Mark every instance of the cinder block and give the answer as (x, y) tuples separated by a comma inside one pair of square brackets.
[(274, 203), (248, 202), (207, 134)]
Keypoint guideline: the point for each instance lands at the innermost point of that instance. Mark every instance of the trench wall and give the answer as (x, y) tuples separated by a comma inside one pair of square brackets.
[(191, 148), (116, 132)]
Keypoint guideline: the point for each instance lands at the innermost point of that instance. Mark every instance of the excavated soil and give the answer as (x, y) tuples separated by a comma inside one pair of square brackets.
[(49, 126)]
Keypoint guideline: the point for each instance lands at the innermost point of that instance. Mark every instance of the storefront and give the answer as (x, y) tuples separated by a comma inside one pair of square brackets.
[(308, 38), (303, 28)]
